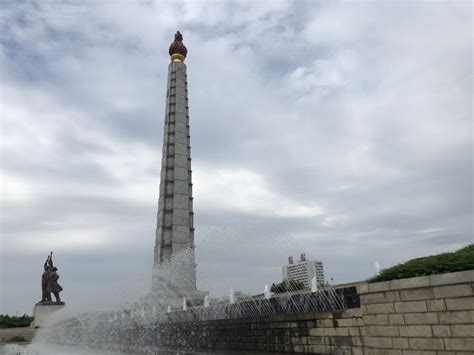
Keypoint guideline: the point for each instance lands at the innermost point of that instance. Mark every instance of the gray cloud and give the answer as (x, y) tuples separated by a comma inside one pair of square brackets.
[(342, 130)]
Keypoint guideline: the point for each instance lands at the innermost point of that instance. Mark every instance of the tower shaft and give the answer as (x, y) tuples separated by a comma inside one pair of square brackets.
[(174, 244)]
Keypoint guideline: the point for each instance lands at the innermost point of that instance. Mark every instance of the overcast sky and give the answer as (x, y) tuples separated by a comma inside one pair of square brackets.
[(339, 129)]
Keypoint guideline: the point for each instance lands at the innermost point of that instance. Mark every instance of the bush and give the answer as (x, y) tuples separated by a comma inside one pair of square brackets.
[(287, 286), (7, 321), (460, 260)]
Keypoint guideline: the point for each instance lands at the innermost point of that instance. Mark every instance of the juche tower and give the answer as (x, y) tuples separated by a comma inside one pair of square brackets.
[(174, 268)]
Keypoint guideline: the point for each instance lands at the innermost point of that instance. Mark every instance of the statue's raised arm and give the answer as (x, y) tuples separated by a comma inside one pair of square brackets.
[(50, 260)]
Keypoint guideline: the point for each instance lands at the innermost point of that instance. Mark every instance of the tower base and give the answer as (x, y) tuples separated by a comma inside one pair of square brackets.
[(175, 299)]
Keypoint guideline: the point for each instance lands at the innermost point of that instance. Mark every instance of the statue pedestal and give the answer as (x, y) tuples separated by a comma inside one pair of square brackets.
[(43, 311)]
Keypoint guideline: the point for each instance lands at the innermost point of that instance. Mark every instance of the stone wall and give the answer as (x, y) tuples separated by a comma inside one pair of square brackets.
[(9, 334), (422, 315), (307, 333)]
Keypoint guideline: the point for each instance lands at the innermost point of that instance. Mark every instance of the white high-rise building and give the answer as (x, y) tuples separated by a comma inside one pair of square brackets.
[(304, 271)]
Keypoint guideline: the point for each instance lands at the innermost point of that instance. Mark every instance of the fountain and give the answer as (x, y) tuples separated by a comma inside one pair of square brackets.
[(267, 293), (377, 267), (149, 324), (314, 284)]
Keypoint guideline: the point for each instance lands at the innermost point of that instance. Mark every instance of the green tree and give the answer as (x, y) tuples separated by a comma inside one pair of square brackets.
[(7, 321), (287, 286)]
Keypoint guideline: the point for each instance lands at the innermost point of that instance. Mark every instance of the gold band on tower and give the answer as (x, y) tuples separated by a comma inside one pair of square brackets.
[(176, 57)]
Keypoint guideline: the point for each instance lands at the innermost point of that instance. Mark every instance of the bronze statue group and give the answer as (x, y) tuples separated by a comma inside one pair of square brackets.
[(49, 281)]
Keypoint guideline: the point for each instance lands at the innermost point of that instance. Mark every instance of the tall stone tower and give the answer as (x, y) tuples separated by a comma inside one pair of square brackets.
[(174, 269)]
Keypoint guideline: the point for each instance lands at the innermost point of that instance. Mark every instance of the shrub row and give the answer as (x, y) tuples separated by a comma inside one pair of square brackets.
[(460, 260)]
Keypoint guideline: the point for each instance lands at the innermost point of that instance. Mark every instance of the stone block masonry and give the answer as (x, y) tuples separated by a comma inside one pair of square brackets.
[(422, 315), (310, 333)]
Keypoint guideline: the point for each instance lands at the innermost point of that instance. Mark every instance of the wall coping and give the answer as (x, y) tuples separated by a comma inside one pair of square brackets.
[(417, 282)]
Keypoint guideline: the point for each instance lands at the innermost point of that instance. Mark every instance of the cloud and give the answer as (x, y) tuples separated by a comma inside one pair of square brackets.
[(244, 191), (337, 129)]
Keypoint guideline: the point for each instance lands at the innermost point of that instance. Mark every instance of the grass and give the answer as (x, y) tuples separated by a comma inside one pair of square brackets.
[(460, 260)]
